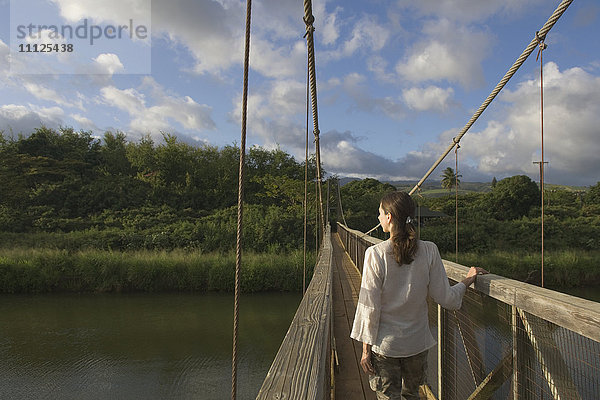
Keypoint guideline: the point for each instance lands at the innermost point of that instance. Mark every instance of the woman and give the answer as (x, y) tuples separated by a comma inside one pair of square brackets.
[(391, 317)]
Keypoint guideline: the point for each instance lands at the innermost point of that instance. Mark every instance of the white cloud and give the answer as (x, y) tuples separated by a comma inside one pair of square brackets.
[(278, 62), (129, 100), (4, 57), (44, 93), (25, 119), (511, 143), (430, 98), (108, 63), (105, 11), (45, 36), (342, 154), (448, 52), (166, 109), (367, 35), (84, 122), (330, 32), (276, 114), (355, 87)]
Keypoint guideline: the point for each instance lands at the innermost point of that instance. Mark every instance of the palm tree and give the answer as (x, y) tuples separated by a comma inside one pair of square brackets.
[(450, 179)]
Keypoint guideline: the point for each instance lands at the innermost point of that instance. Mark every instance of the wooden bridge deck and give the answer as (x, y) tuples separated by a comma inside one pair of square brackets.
[(350, 381)]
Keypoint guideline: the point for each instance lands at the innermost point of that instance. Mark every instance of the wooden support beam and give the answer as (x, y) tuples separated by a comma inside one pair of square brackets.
[(494, 380), (554, 368), (474, 356)]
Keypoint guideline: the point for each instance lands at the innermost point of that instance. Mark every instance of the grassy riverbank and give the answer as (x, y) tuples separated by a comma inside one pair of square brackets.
[(565, 268), (48, 270)]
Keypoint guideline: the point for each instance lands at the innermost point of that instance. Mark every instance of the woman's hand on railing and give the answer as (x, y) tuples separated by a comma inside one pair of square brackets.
[(472, 275)]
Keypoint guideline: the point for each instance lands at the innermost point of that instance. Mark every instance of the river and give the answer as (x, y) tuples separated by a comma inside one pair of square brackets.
[(137, 346)]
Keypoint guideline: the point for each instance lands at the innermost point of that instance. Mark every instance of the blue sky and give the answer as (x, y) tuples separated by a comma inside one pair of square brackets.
[(397, 80)]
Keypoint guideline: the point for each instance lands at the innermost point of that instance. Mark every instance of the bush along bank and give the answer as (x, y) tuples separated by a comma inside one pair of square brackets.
[(47, 270), (562, 269)]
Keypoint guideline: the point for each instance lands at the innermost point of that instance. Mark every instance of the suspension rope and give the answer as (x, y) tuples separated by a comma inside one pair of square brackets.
[(340, 201), (238, 245), (456, 199), (542, 47), (306, 182), (419, 214), (309, 19), (562, 7)]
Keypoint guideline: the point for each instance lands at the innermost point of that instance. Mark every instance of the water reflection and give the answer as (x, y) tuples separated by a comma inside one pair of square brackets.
[(137, 346)]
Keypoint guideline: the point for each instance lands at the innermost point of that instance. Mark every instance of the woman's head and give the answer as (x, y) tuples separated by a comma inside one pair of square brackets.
[(399, 205), (395, 210)]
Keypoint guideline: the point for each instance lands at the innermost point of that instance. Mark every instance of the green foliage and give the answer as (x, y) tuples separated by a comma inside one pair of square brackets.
[(65, 181), (513, 197)]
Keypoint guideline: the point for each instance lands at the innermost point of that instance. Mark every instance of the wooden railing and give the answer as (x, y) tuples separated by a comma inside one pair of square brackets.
[(547, 342), (302, 366)]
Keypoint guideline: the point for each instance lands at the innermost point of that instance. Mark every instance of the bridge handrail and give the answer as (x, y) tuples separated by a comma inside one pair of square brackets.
[(576, 314), (300, 369)]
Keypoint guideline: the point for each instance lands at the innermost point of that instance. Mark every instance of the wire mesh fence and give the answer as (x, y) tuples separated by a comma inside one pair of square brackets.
[(509, 340)]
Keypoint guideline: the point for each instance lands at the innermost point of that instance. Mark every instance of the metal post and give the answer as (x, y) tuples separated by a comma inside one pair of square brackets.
[(515, 339), (440, 352)]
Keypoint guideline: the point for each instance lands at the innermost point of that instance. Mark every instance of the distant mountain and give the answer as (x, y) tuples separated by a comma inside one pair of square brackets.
[(433, 188), (430, 186)]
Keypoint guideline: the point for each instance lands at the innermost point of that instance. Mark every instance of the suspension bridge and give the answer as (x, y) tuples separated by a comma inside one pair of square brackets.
[(510, 340)]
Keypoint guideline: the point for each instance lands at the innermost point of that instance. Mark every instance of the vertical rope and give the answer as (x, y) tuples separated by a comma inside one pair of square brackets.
[(419, 214), (310, 44), (340, 201), (456, 199), (306, 182), (238, 244)]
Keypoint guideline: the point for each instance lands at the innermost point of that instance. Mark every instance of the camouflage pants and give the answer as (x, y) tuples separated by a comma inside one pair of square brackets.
[(398, 378)]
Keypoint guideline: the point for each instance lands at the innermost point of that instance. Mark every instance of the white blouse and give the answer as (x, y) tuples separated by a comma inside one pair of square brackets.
[(392, 305)]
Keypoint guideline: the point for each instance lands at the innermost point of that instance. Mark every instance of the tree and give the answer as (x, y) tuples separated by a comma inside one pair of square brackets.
[(360, 201), (450, 179), (513, 197), (593, 195)]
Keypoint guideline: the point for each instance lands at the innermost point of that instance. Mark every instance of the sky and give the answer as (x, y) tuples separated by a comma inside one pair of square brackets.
[(396, 80)]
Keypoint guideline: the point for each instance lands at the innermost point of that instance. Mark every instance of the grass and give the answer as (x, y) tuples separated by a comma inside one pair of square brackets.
[(50, 270), (566, 268)]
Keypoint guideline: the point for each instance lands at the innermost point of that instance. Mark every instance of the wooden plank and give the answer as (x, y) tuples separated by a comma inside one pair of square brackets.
[(350, 287), (347, 377), (300, 368)]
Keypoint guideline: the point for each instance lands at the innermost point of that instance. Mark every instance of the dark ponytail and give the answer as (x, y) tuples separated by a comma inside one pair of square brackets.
[(402, 209)]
